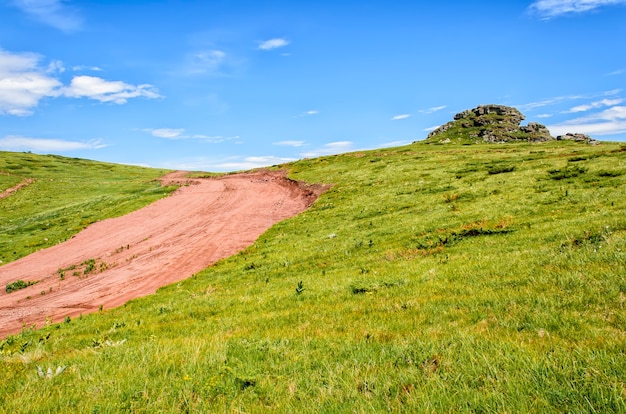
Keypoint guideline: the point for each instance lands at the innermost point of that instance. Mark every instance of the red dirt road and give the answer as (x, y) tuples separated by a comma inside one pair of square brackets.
[(204, 221)]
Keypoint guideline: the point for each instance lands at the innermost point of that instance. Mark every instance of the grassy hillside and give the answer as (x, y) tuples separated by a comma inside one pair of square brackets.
[(428, 279), (62, 196)]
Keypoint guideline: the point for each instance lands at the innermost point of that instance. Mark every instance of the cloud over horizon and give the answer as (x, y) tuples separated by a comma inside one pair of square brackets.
[(611, 121), (19, 143)]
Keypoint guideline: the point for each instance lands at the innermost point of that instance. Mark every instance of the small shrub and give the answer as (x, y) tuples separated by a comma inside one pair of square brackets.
[(299, 288), (567, 172), (17, 285), (500, 169), (90, 265)]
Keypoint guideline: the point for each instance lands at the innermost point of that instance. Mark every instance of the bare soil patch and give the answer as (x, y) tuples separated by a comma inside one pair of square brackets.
[(15, 188), (115, 260)]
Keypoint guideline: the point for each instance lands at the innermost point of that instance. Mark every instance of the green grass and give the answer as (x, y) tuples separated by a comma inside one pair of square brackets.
[(427, 279), (67, 195)]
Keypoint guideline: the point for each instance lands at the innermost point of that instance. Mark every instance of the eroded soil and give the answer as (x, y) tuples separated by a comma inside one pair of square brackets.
[(115, 260)]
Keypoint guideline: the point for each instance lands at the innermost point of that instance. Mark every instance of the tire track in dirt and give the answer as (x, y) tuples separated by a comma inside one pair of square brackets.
[(205, 220)]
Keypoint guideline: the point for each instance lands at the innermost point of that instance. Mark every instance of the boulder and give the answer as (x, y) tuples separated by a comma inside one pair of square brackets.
[(577, 137)]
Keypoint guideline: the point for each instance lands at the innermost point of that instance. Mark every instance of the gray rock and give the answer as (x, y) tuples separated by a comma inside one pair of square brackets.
[(577, 137)]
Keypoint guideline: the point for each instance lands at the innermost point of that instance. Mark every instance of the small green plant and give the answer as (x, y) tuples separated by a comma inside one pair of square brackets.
[(567, 172), (500, 169), (17, 285), (49, 374), (300, 288), (90, 265)]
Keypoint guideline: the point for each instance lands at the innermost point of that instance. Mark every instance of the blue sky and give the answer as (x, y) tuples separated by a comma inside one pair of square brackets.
[(230, 85)]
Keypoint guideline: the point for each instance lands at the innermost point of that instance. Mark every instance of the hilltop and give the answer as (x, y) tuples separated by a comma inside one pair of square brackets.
[(428, 278), (494, 124)]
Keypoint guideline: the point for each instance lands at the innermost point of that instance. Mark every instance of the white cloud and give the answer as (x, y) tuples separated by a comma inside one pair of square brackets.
[(308, 113), (273, 44), (393, 144), (329, 149), (616, 72), (23, 83), (18, 143), (432, 128), (235, 163), (168, 133), (214, 139), (561, 99), (397, 117), (595, 105), (547, 9), (107, 91), (289, 143), (433, 109), (80, 68), (611, 121), (55, 13)]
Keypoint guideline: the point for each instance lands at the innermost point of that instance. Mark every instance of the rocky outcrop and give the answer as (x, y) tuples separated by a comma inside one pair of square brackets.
[(489, 123), (577, 137)]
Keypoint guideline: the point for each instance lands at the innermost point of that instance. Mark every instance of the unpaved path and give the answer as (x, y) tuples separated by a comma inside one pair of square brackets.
[(115, 260), (12, 190)]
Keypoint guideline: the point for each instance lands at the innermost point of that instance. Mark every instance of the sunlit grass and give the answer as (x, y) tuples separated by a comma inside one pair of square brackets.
[(435, 279)]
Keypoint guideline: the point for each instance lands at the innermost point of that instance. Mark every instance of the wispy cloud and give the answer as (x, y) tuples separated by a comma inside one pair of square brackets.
[(307, 113), (205, 62), (273, 44), (616, 72), (331, 148), (433, 109), (562, 99), (168, 133), (179, 133), (432, 128), (55, 13), (595, 105), (19, 143), (81, 68), (289, 143), (610, 121), (393, 144), (402, 116), (234, 163), (102, 90), (547, 9)]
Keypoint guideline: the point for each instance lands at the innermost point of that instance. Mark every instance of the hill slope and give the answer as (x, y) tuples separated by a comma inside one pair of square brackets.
[(429, 278)]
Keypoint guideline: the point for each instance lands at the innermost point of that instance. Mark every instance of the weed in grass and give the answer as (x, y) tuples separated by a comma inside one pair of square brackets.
[(300, 288), (49, 374)]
